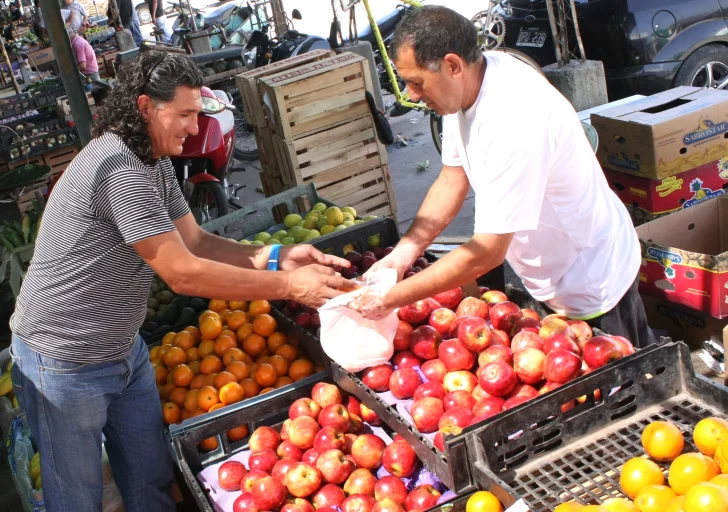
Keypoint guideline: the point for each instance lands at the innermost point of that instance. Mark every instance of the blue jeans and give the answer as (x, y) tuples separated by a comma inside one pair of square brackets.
[(69, 406), (135, 29)]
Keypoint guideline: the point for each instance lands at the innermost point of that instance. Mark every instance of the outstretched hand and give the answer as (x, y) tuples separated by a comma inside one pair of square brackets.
[(297, 256)]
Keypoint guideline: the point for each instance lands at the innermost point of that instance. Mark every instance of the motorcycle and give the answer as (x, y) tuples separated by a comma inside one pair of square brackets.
[(227, 23)]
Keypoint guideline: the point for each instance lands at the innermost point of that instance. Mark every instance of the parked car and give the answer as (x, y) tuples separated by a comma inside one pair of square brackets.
[(145, 16), (647, 46)]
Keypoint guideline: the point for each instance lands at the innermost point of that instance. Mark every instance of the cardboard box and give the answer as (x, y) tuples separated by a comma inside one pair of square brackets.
[(665, 134), (41, 56), (647, 199), (681, 323), (685, 257)]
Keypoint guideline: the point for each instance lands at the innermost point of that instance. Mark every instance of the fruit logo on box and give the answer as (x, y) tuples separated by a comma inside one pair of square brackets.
[(681, 318), (668, 186), (723, 168), (666, 259), (622, 160), (701, 194), (706, 130)]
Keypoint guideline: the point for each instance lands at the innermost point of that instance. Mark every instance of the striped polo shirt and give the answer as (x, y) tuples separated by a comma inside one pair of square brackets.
[(85, 293)]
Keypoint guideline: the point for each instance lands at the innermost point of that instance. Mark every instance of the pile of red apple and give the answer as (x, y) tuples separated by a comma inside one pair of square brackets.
[(322, 458), (463, 359)]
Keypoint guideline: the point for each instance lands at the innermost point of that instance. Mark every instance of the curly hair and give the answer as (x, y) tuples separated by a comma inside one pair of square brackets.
[(156, 74)]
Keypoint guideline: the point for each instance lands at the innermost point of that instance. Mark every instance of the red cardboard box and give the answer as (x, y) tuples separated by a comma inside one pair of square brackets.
[(648, 199), (685, 257), (681, 323)]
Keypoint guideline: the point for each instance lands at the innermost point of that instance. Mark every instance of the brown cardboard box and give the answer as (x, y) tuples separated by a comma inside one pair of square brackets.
[(665, 134), (681, 323), (41, 56)]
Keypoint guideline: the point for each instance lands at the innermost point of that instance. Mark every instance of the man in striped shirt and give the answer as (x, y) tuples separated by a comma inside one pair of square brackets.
[(115, 217)]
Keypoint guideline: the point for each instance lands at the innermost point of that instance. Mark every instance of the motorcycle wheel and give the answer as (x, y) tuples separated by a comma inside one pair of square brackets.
[(208, 201), (436, 130), (245, 145)]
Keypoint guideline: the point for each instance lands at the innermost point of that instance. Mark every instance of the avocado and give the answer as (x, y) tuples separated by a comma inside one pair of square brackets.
[(170, 317), (182, 301), (149, 326), (198, 305), (187, 316), (155, 288), (162, 329), (165, 297), (152, 303), (150, 314)]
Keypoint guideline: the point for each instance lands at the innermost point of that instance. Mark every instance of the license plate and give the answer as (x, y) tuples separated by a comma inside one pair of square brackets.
[(531, 37)]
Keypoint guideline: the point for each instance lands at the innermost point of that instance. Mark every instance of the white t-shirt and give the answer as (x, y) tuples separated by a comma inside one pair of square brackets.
[(535, 175)]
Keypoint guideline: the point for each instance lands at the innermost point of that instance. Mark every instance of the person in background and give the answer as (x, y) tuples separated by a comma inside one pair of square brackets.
[(85, 56), (129, 20), (160, 19), (80, 18), (15, 14)]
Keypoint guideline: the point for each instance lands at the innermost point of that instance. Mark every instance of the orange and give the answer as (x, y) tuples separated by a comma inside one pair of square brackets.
[(178, 396), (197, 381), (483, 501), (251, 387), (223, 378), (184, 414), (252, 367), (217, 305), (571, 506), (163, 393), (654, 498), (638, 473), (720, 481), (184, 340), (154, 353), (262, 360), (280, 363), (265, 375), (194, 366), (690, 469), (254, 344), (209, 380), (259, 307), (207, 397), (276, 340), (191, 400), (208, 314), (232, 354), (238, 433), (282, 381), (619, 505), (236, 319), (216, 407), (709, 433), (244, 330), (171, 413), (209, 444), (229, 333), (288, 351), (192, 354), (706, 497), (175, 356), (231, 392), (210, 364), (593, 508), (676, 505), (300, 369), (223, 344), (160, 374), (264, 324), (662, 440), (238, 305), (182, 375), (210, 328), (239, 369), (163, 351), (194, 331), (266, 390), (206, 348), (224, 314), (169, 338), (721, 456)]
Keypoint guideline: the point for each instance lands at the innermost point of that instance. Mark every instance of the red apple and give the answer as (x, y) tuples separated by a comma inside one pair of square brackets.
[(441, 320), (361, 481), (560, 341), (524, 390), (439, 441), (460, 380), (377, 377), (494, 297), (310, 457), (329, 438), (406, 359), (415, 313), (252, 476), (391, 487), (434, 370), (288, 450), (459, 398), (304, 407), (348, 443), (264, 460), (455, 327), (505, 316), (494, 354), (426, 414), (549, 386), (404, 382), (524, 340), (601, 350), (303, 431), (268, 493), (479, 394), (354, 405), (230, 474), (368, 450), (302, 480), (551, 326), (530, 313), (356, 425), (526, 323), (474, 334), (284, 429), (625, 345), (326, 394), (281, 469), (470, 306), (433, 304), (264, 438), (528, 364), (553, 316), (402, 336), (431, 388), (561, 366), (582, 331), (455, 355), (457, 416), (334, 466), (335, 415), (488, 407), (369, 416), (515, 401), (451, 298), (498, 379), (400, 460), (498, 337), (423, 497), (358, 503), (244, 503), (424, 342), (329, 495), (387, 505), (297, 505)]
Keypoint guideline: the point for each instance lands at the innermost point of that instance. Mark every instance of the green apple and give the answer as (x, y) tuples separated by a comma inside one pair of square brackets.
[(291, 220)]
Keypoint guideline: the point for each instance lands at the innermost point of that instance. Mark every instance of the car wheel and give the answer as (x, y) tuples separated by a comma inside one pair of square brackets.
[(706, 67), (145, 16)]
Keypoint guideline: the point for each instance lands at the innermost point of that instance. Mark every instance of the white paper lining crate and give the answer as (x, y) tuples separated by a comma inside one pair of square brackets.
[(250, 93), (312, 97)]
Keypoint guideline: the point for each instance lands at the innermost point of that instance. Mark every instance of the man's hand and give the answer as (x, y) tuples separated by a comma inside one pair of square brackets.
[(400, 259), (313, 285), (369, 303), (293, 257)]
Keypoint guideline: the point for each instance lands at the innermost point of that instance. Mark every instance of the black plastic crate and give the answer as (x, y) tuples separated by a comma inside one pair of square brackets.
[(17, 104), (43, 123), (47, 95)]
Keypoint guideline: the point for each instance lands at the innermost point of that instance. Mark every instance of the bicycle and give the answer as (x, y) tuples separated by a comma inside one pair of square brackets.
[(491, 31)]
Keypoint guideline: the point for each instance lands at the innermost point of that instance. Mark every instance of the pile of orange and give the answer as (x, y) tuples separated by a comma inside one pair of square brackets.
[(233, 354), (696, 481)]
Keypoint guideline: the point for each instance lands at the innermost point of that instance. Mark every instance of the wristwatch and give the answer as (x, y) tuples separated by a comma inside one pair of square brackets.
[(275, 251)]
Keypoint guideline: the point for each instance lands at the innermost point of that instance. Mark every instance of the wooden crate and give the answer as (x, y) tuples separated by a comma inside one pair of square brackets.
[(268, 160), (251, 94), (36, 160), (271, 184), (315, 96), (62, 102), (58, 160), (25, 201)]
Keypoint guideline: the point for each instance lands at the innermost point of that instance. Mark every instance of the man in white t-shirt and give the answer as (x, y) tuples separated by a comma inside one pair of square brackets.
[(541, 200)]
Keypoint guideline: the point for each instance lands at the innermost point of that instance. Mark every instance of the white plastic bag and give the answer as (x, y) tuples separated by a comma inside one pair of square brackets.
[(355, 342)]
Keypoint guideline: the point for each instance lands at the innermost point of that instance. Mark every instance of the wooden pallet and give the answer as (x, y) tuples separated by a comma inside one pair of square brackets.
[(268, 160), (315, 96), (59, 159), (247, 83), (369, 192)]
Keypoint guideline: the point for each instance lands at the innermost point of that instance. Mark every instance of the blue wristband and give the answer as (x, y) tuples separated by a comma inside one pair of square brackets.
[(275, 251)]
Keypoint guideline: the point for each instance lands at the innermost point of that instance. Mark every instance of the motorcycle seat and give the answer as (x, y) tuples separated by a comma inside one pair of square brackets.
[(218, 14), (386, 25), (181, 31)]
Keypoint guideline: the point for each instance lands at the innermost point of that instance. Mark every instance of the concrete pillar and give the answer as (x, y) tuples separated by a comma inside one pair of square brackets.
[(584, 85), (364, 49), (124, 40)]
